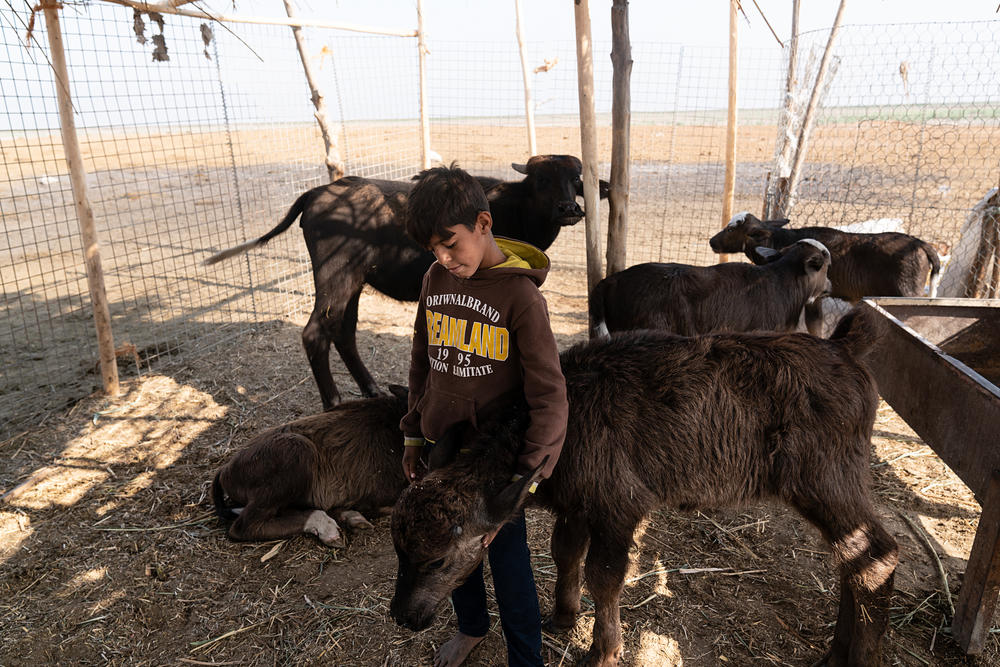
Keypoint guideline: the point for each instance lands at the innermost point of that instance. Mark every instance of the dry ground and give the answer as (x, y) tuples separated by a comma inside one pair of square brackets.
[(109, 552)]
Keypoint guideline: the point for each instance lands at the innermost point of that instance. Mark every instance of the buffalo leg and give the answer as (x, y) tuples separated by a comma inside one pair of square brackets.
[(866, 556), (345, 340), (254, 524), (607, 562), (569, 543), (316, 341), (813, 313)]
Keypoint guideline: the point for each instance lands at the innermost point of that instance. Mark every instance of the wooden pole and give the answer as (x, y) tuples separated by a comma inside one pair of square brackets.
[(807, 120), (425, 126), (334, 165), (588, 139), (729, 185), (621, 118), (529, 103), (775, 204), (171, 8), (84, 211)]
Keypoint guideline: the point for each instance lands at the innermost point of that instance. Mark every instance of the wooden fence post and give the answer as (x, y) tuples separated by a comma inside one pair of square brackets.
[(334, 165), (807, 119), (529, 102), (729, 184), (588, 139), (84, 211), (425, 126), (621, 118)]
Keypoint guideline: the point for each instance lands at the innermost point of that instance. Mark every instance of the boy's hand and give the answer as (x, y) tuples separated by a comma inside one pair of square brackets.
[(488, 537), (412, 449)]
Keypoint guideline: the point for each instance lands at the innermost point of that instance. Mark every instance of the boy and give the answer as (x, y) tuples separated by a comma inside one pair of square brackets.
[(482, 338)]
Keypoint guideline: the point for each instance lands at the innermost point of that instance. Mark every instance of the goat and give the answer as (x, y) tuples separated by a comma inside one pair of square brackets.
[(884, 264), (290, 479), (661, 420), (355, 233), (736, 296)]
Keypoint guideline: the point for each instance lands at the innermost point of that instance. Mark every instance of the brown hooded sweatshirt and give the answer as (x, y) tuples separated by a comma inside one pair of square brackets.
[(479, 341)]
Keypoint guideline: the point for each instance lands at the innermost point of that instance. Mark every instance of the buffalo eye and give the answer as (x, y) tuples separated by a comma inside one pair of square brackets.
[(436, 564)]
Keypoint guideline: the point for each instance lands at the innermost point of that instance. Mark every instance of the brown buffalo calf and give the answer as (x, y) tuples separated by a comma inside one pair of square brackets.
[(690, 423), (290, 479)]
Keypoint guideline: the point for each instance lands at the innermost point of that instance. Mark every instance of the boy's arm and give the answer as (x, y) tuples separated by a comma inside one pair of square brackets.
[(544, 388), (419, 368)]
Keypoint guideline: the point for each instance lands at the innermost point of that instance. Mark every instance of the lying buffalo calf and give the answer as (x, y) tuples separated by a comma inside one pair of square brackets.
[(289, 479), (691, 423)]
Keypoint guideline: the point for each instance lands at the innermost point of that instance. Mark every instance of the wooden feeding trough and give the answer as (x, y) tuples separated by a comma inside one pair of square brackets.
[(938, 366)]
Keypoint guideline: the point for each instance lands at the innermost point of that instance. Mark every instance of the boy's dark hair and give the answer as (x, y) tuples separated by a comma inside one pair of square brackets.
[(443, 197)]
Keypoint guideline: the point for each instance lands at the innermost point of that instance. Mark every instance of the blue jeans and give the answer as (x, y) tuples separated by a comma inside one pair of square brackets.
[(514, 584)]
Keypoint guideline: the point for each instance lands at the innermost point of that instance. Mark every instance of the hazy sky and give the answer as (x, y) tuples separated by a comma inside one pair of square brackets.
[(701, 22)]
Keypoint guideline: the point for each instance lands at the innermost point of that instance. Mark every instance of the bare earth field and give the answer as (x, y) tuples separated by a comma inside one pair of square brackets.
[(109, 552)]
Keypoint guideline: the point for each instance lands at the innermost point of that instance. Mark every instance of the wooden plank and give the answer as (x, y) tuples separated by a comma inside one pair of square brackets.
[(977, 600), (954, 409), (171, 8)]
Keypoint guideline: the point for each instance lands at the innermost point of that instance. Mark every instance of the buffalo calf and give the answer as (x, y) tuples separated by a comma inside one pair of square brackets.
[(883, 264), (290, 479), (735, 296), (689, 423)]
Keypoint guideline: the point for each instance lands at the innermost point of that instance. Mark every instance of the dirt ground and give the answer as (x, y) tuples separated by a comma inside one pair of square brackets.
[(110, 553)]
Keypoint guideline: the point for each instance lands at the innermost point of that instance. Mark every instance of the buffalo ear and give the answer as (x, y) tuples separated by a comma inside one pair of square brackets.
[(502, 506), (519, 168), (815, 262), (399, 391), (758, 236), (775, 224), (446, 448), (764, 255)]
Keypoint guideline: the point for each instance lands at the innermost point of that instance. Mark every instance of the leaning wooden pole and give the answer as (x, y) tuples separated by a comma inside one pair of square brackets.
[(776, 193), (529, 102), (807, 119), (588, 140), (334, 165), (425, 125), (84, 211), (729, 184), (621, 118)]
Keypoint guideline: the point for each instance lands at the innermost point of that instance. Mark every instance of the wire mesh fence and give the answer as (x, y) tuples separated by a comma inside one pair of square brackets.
[(209, 148)]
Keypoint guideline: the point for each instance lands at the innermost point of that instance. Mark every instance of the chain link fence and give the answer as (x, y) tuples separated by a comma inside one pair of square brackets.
[(209, 148)]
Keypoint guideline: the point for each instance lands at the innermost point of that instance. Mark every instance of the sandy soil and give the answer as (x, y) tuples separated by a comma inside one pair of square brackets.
[(109, 553)]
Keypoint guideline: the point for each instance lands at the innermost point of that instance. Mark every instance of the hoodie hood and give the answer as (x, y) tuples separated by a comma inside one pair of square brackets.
[(533, 262)]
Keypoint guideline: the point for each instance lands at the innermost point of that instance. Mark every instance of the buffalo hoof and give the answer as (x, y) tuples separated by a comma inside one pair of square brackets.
[(325, 528), (557, 625), (355, 520), (593, 659), (831, 659)]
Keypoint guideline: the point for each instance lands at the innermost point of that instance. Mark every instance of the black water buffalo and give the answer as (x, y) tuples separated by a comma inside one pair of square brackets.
[(689, 423), (735, 296), (355, 235), (308, 474)]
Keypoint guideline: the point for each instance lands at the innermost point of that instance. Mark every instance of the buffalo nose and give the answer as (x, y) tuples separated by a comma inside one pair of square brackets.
[(569, 208)]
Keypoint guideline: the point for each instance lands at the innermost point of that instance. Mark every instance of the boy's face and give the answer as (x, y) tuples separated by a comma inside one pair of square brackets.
[(464, 251)]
